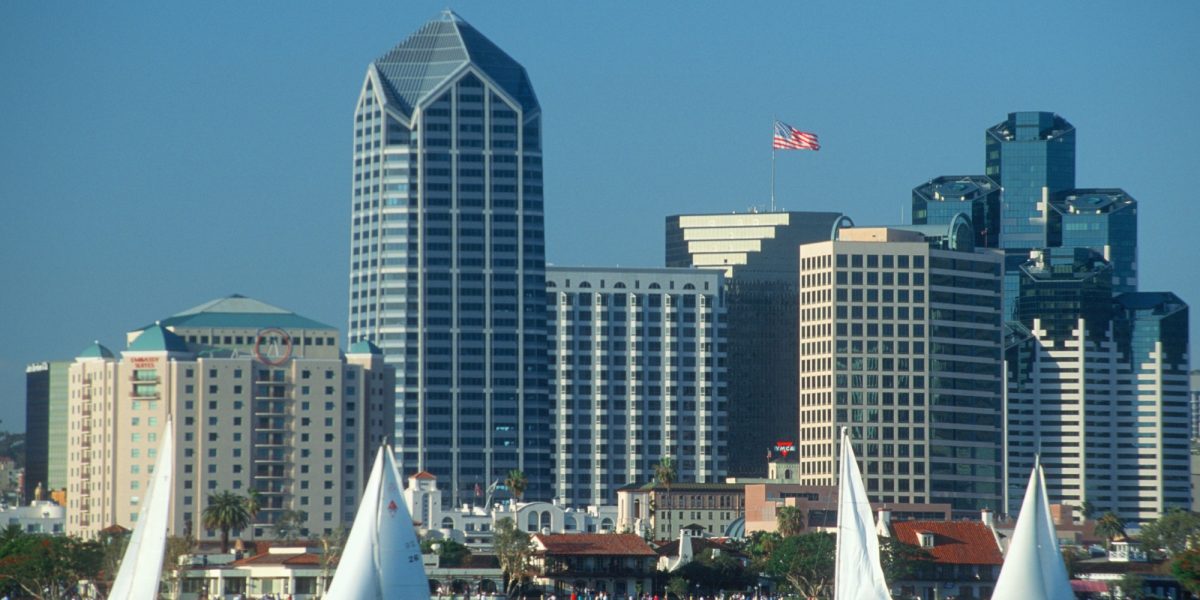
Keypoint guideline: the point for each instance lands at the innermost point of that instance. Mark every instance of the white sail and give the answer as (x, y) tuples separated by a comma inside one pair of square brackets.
[(1033, 568), (382, 559), (141, 566), (858, 574)]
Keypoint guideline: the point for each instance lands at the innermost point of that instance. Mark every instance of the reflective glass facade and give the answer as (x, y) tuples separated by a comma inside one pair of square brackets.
[(448, 258), (939, 200), (1027, 152), (1103, 220)]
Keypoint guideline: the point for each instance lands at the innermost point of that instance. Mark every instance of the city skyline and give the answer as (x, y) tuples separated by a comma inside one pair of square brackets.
[(143, 141)]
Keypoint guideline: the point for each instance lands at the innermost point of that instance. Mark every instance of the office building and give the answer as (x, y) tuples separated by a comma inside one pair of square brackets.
[(1103, 220), (1194, 380), (447, 255), (637, 357), (900, 340), (45, 427), (262, 399), (758, 253), (1098, 387), (1032, 156), (939, 200)]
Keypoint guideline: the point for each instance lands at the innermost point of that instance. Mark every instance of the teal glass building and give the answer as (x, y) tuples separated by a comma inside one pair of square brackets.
[(940, 200), (1103, 220), (447, 266)]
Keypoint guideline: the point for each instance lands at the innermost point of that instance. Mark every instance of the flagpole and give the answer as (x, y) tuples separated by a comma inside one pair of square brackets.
[(772, 164)]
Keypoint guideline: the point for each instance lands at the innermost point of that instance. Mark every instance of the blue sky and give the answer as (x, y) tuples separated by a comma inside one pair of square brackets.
[(157, 155)]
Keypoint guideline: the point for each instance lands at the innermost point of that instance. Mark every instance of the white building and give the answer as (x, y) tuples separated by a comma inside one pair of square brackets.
[(39, 516)]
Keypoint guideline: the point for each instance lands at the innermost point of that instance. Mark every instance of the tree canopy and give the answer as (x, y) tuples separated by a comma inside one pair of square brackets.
[(227, 511), (1171, 533), (47, 567), (514, 551)]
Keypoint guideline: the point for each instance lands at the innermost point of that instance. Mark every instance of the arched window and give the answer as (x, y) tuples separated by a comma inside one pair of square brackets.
[(688, 286), (533, 521), (546, 520), (606, 524), (569, 523), (584, 284), (447, 523), (618, 285)]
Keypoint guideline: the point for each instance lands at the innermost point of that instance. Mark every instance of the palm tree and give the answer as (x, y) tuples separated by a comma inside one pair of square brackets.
[(253, 503), (225, 511), (516, 483), (1109, 526), (790, 520), (665, 474)]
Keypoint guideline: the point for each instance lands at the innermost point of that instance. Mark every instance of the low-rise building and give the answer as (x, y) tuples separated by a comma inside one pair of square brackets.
[(964, 563), (39, 516), (616, 564), (818, 503), (660, 511)]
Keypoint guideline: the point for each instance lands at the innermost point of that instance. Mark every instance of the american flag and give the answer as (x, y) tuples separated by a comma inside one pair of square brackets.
[(790, 138)]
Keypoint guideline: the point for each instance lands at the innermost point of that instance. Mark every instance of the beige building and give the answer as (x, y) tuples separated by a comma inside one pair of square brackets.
[(710, 509), (262, 399)]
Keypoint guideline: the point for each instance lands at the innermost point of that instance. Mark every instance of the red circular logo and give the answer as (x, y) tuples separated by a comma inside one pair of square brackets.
[(273, 346)]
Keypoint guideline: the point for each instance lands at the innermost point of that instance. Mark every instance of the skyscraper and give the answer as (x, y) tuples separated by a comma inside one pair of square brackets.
[(1098, 387), (759, 254), (447, 255), (1103, 220), (1031, 155), (940, 200), (638, 359), (900, 340), (45, 426)]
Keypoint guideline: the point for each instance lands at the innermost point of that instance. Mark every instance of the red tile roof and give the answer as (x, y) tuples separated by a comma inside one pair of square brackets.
[(595, 544), (298, 559), (423, 475), (954, 542)]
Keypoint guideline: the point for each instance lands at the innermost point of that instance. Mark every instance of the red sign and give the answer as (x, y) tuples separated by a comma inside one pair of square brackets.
[(273, 346), (785, 448)]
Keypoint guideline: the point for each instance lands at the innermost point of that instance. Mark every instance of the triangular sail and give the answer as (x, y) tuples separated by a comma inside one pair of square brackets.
[(1033, 567), (382, 559), (141, 567), (858, 574)]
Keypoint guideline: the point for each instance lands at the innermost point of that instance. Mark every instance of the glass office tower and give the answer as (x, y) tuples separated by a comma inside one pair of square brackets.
[(940, 200), (448, 259), (1103, 220), (1031, 155)]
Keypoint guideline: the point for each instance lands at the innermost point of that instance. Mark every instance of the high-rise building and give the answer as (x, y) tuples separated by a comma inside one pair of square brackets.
[(939, 200), (637, 359), (1104, 220), (262, 400), (1194, 381), (45, 426), (1098, 387), (447, 255), (900, 340), (759, 255), (1031, 155)]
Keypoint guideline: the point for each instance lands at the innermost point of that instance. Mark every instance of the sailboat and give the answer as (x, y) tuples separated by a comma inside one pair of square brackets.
[(381, 559), (141, 567), (858, 574), (1033, 568)]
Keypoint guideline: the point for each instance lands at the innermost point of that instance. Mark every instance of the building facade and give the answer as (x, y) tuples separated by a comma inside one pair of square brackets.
[(659, 511), (447, 255), (758, 254), (45, 421), (900, 340), (638, 364), (262, 399), (1098, 386), (1103, 220), (940, 200)]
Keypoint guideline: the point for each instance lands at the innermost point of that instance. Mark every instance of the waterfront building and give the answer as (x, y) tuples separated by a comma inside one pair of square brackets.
[(263, 400), (900, 340), (660, 511), (1103, 220), (1097, 387), (45, 426), (447, 255), (1194, 379), (758, 254), (615, 565), (37, 517), (939, 200), (637, 359)]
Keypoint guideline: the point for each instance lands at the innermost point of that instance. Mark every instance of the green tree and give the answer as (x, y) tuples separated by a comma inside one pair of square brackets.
[(1073, 561), (665, 475), (1186, 568), (805, 562), (790, 520), (48, 567), (514, 551), (112, 548), (290, 525), (177, 546), (253, 503), (450, 553), (1109, 526), (226, 511), (1131, 586), (1087, 509), (678, 587), (901, 561), (1171, 533), (714, 572), (516, 482), (331, 542)]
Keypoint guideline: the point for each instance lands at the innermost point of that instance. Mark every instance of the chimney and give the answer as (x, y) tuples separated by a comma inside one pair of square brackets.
[(883, 525), (988, 519)]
